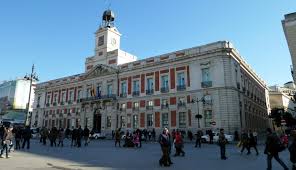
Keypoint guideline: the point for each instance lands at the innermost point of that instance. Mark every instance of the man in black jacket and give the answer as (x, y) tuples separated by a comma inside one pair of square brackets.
[(271, 149), (27, 134)]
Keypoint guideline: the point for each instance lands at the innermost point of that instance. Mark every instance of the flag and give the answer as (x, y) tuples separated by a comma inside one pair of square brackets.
[(93, 91)]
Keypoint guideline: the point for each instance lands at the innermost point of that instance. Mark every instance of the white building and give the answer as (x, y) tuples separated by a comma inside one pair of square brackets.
[(116, 90), (289, 26)]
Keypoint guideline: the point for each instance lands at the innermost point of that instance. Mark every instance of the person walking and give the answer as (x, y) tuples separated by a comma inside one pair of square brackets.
[(253, 143), (79, 136), (222, 144), (153, 134), (164, 141), (86, 136), (18, 137), (179, 144), (292, 150), (27, 134), (245, 142), (198, 138), (211, 135), (44, 135), (272, 146), (117, 137), (7, 139), (61, 137), (73, 136)]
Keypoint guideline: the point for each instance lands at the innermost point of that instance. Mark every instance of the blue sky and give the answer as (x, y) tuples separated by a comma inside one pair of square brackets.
[(58, 35)]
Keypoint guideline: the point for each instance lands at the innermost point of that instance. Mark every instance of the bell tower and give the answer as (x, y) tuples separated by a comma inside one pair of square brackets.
[(107, 36)]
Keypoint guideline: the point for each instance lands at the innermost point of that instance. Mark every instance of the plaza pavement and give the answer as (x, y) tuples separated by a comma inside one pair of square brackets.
[(102, 155)]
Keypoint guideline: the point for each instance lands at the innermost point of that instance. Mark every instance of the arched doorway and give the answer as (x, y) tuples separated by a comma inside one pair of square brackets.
[(97, 121)]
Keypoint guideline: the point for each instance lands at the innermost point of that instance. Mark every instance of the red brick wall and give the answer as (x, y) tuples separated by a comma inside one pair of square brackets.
[(129, 88), (172, 76), (164, 71), (142, 83), (142, 103), (129, 105), (157, 119), (173, 101), (157, 102), (188, 76), (188, 99), (157, 81), (142, 120), (189, 117), (112, 61), (180, 68), (173, 118)]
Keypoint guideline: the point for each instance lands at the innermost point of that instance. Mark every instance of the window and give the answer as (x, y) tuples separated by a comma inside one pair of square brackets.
[(150, 103), (165, 120), (48, 99), (164, 102), (88, 92), (149, 120), (38, 100), (136, 86), (108, 121), (136, 104), (123, 87), (55, 98), (70, 95), (149, 84), (135, 121), (208, 118), (101, 41), (78, 94), (122, 121), (98, 92), (165, 81), (205, 74), (182, 120), (181, 79), (109, 89)]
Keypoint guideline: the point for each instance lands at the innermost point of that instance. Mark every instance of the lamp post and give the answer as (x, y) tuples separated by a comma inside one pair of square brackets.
[(198, 116), (31, 77)]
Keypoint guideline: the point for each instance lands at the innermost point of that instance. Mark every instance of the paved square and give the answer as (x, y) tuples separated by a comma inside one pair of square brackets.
[(102, 155)]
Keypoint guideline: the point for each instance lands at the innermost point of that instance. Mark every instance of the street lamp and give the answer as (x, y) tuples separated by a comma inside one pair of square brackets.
[(30, 77), (198, 116)]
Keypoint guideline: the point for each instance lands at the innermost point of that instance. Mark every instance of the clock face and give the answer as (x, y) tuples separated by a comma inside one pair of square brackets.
[(113, 41)]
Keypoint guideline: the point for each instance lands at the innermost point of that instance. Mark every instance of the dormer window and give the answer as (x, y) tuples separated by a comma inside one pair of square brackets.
[(101, 41)]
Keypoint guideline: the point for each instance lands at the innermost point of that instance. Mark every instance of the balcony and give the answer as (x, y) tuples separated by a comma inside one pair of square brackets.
[(135, 108), (165, 106), (70, 102), (181, 87), (149, 92), (207, 103), (149, 107), (38, 105), (164, 89), (62, 103), (206, 84), (47, 104), (136, 93), (54, 103), (123, 95), (181, 104), (105, 98), (78, 101)]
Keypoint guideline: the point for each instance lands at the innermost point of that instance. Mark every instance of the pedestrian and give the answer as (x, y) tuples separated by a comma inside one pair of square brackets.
[(164, 144), (44, 135), (153, 134), (117, 137), (253, 143), (179, 144), (18, 137), (272, 149), (198, 138), (222, 144), (53, 135), (190, 135), (73, 137), (79, 136), (236, 136), (292, 150), (149, 135), (245, 142), (7, 139), (211, 135), (255, 134), (27, 134), (113, 134), (140, 137), (61, 137), (86, 136)]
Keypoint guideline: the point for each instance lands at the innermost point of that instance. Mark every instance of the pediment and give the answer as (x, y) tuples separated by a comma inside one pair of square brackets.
[(100, 70)]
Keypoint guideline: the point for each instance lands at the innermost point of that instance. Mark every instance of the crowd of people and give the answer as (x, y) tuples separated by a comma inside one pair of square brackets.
[(19, 138)]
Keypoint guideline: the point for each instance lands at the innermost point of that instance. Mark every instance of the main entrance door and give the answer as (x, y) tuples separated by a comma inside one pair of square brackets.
[(97, 122)]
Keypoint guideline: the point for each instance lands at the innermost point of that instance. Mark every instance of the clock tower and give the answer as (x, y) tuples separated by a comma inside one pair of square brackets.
[(107, 45)]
